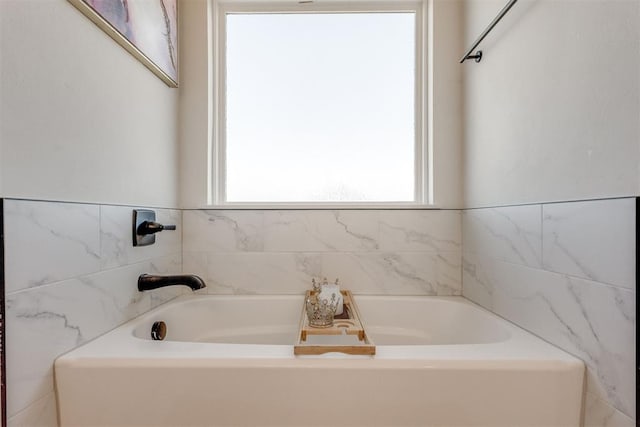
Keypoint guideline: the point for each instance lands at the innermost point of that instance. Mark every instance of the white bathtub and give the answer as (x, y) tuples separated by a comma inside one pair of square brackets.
[(228, 361)]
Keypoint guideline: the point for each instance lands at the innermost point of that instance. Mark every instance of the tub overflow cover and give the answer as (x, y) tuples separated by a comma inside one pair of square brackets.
[(158, 331)]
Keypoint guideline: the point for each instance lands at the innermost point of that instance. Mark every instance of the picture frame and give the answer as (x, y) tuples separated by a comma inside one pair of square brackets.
[(147, 29)]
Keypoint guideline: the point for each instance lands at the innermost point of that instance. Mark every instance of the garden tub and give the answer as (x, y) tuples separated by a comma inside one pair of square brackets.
[(228, 361)]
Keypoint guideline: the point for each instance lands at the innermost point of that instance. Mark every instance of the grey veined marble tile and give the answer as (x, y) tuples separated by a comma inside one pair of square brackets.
[(43, 323), (261, 273), (321, 231), (420, 230), (511, 233), (593, 240), (46, 321), (223, 231), (395, 273), (593, 321), (477, 279), (46, 242)]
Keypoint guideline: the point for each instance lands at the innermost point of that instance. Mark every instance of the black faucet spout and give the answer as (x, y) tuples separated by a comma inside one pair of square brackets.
[(147, 282)]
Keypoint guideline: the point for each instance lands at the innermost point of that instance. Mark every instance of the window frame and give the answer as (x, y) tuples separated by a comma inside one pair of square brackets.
[(423, 169)]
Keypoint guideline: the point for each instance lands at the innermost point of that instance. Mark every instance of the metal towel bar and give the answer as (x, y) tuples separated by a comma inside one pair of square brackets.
[(478, 55)]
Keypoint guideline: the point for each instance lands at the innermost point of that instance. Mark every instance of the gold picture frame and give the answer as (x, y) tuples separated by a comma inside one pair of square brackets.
[(147, 29)]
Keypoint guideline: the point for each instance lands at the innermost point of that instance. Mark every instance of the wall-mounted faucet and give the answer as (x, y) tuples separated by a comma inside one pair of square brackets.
[(147, 282)]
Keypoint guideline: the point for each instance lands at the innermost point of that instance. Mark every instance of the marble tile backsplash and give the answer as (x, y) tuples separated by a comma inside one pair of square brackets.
[(42, 238), (414, 252), (566, 272), (591, 240), (512, 234), (71, 275)]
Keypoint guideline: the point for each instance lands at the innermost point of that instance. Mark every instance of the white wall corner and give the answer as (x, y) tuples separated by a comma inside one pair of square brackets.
[(194, 103), (446, 107)]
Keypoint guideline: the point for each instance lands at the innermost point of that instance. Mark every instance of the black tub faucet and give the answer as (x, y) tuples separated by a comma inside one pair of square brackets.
[(147, 282)]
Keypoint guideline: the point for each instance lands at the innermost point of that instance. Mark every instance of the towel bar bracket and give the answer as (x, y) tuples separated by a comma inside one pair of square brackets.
[(477, 56)]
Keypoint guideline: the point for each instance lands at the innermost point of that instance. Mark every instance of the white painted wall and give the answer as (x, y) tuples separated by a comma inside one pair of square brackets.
[(445, 90), (80, 118), (195, 92), (553, 110), (446, 104)]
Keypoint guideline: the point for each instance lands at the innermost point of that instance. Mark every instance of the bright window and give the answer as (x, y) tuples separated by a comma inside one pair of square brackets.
[(319, 107)]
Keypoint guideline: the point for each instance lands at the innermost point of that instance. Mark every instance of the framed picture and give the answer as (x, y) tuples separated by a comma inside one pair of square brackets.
[(148, 29)]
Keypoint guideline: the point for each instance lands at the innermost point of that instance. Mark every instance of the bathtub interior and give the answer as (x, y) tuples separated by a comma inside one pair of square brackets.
[(274, 320), (271, 320)]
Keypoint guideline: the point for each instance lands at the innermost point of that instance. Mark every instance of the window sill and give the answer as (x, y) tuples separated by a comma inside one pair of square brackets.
[(321, 206)]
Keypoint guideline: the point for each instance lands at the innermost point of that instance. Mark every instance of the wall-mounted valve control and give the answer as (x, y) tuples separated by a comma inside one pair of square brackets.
[(150, 227), (145, 227)]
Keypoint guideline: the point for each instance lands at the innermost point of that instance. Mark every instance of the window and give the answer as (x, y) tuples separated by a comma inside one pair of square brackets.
[(319, 105)]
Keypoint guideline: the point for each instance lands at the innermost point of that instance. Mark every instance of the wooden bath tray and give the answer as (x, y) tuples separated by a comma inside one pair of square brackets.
[(347, 335)]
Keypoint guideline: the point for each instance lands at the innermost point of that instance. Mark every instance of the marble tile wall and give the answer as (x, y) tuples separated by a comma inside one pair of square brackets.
[(400, 252), (71, 275), (566, 272)]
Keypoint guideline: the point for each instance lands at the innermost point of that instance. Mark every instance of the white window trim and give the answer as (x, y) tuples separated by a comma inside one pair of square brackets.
[(423, 146)]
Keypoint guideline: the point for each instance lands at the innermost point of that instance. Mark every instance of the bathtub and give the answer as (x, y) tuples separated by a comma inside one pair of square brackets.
[(228, 361)]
